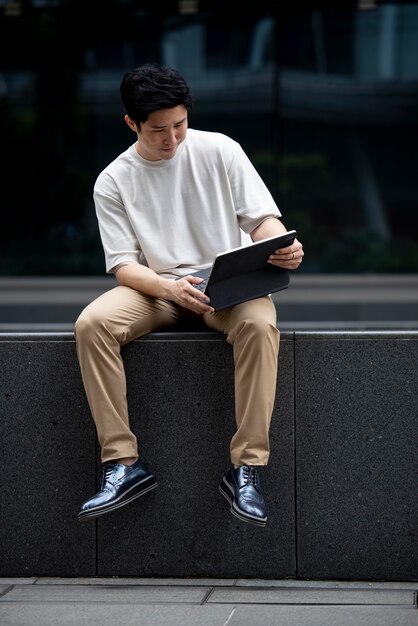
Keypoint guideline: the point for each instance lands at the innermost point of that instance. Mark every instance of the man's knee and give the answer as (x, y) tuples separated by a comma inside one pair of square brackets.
[(259, 330), (261, 325), (87, 323)]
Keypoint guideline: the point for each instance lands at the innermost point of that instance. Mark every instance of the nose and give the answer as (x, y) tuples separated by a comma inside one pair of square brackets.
[(170, 136)]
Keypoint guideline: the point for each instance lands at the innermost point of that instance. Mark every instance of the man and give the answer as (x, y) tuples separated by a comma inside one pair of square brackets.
[(165, 208)]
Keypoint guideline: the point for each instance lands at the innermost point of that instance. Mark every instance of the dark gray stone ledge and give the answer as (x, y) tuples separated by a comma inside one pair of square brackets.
[(215, 336), (340, 485)]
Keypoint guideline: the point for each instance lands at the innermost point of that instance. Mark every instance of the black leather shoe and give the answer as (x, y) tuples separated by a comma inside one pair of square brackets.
[(120, 485), (241, 487)]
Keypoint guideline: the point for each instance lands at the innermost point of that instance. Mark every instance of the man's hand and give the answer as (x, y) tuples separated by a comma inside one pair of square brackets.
[(289, 257), (183, 292)]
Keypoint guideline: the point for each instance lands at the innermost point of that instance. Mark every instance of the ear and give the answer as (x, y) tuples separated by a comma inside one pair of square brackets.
[(132, 125)]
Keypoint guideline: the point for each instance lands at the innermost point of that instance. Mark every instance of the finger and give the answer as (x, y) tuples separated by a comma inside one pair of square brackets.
[(296, 259), (200, 307), (291, 261), (192, 293), (199, 295), (194, 280)]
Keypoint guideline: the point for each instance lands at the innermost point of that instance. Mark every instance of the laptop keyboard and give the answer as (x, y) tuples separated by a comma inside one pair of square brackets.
[(201, 286)]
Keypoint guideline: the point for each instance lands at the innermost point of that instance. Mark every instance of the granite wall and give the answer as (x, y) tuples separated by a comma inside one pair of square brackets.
[(340, 485)]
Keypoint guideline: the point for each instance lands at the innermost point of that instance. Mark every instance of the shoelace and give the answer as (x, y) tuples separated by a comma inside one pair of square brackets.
[(250, 475), (106, 474)]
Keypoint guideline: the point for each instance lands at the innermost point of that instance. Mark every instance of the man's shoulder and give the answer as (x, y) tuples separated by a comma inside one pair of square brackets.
[(118, 164), (209, 135), (205, 139)]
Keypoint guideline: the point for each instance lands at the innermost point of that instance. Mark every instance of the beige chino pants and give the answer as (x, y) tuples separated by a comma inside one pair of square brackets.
[(123, 314)]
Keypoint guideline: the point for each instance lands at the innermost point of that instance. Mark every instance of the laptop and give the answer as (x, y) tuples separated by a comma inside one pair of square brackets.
[(243, 273)]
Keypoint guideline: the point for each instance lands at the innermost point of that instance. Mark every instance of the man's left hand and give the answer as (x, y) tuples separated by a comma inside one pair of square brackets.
[(289, 257)]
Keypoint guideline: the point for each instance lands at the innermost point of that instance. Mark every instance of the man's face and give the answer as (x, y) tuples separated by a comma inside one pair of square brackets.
[(162, 133)]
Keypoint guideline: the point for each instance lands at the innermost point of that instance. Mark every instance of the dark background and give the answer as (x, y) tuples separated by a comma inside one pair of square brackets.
[(323, 99)]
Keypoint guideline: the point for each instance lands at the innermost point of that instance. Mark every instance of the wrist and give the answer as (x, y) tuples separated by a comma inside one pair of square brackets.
[(164, 288)]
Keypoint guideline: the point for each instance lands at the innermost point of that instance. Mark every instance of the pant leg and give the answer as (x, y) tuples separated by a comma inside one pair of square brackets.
[(251, 329), (112, 320)]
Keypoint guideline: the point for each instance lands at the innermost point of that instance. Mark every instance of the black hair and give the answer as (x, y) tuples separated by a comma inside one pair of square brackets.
[(151, 87)]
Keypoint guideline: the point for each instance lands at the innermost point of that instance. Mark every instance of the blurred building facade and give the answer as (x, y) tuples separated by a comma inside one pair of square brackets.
[(322, 96)]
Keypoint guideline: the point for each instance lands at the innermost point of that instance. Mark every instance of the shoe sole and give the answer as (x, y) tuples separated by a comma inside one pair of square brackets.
[(134, 492), (228, 493)]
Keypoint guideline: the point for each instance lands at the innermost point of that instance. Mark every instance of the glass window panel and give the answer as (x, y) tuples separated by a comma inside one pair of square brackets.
[(322, 98)]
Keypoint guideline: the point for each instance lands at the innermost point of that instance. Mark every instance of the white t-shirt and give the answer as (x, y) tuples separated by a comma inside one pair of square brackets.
[(175, 215)]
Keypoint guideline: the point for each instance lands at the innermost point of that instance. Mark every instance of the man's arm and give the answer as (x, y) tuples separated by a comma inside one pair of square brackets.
[(289, 257), (181, 292)]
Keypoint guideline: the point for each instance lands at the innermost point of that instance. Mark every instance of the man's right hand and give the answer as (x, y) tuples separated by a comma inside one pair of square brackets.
[(180, 291), (187, 296)]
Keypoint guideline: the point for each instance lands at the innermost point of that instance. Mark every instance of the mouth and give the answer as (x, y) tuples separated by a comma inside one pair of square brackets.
[(168, 152)]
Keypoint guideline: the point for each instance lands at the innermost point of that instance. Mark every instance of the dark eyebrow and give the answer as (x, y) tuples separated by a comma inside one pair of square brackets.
[(175, 124)]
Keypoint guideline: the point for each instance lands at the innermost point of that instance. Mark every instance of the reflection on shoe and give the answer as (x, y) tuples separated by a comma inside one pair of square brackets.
[(120, 485), (241, 487)]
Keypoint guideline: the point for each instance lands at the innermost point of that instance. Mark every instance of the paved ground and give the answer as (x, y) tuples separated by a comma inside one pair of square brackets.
[(204, 602)]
